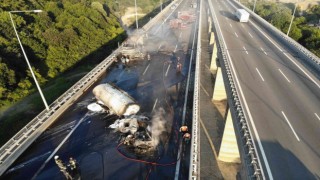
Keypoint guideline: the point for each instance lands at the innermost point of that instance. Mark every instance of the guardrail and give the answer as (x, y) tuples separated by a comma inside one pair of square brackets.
[(311, 59), (10, 151), (248, 151), (194, 168)]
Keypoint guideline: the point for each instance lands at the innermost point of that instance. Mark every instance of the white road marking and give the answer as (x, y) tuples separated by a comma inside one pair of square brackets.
[(294, 132), (284, 75), (266, 163), (175, 48), (245, 49), (259, 74), (207, 67), (146, 69), (286, 55), (60, 145), (204, 90), (242, 25), (155, 103), (167, 70), (236, 34), (250, 35), (263, 51), (230, 25), (180, 34), (159, 46), (317, 116)]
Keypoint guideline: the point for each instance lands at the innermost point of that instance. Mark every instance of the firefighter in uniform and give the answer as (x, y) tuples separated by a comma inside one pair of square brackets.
[(62, 167)]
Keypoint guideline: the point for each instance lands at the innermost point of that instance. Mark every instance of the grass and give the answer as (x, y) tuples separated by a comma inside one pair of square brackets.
[(20, 113)]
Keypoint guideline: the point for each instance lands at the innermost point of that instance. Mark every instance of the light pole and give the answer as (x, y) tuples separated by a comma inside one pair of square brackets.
[(254, 6), (294, 11), (25, 56), (161, 5), (135, 5)]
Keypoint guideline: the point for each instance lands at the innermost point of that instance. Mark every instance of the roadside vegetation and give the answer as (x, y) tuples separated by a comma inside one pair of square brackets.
[(63, 43), (305, 28)]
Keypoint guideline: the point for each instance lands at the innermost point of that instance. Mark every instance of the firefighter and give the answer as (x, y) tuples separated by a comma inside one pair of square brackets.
[(179, 66), (186, 138), (62, 167), (73, 166), (183, 129)]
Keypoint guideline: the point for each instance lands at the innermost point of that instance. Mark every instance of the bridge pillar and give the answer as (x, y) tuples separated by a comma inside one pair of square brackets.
[(212, 39), (210, 24), (213, 65), (219, 91), (229, 151)]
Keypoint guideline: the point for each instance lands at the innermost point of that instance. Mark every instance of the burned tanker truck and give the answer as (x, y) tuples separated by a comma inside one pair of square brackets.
[(134, 128)]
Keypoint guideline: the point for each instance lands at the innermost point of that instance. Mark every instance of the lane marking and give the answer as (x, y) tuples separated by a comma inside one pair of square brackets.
[(250, 35), (294, 132), (146, 69), (175, 48), (259, 74), (155, 103), (285, 54), (204, 90), (266, 163), (284, 75), (263, 51), (168, 70), (317, 116), (159, 46), (242, 25), (180, 34), (230, 25), (59, 146), (245, 49), (236, 34)]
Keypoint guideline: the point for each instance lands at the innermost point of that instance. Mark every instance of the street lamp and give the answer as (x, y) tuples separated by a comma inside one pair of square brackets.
[(254, 6), (135, 5), (25, 56), (294, 11)]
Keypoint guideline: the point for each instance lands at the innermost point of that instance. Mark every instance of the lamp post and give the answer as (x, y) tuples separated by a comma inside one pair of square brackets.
[(294, 11), (25, 56), (161, 5), (135, 5), (254, 6)]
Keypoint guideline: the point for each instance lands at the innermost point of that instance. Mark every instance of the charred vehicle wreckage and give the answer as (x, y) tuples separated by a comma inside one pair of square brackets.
[(138, 132)]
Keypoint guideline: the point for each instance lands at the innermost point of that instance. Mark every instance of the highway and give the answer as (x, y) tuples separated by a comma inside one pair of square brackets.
[(280, 96), (85, 136)]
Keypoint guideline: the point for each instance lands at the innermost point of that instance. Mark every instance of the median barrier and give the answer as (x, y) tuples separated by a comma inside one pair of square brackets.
[(248, 151)]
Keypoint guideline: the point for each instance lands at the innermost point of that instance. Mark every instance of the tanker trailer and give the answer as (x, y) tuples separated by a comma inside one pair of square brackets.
[(118, 101)]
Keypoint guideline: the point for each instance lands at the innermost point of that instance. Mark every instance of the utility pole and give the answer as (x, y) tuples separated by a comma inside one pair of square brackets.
[(294, 11), (135, 5)]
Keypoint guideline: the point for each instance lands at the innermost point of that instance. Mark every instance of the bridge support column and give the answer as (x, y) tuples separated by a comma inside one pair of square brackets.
[(229, 151), (212, 39), (210, 24), (219, 91), (213, 65)]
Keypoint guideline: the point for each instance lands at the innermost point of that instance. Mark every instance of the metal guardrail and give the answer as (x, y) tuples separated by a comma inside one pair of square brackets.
[(310, 58), (194, 169), (248, 151), (11, 150)]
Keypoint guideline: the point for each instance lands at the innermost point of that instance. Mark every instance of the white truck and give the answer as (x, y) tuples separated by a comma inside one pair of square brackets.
[(242, 15)]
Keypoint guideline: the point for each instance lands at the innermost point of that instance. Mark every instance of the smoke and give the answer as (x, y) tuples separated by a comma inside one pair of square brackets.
[(160, 124)]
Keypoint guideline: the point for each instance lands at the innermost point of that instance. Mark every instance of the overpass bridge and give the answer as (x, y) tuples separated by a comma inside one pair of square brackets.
[(270, 84)]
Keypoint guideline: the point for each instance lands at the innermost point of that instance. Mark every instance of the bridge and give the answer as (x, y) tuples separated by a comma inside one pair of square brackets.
[(270, 84)]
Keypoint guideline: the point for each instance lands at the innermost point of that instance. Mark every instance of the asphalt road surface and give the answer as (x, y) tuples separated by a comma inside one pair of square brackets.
[(280, 96), (85, 135)]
